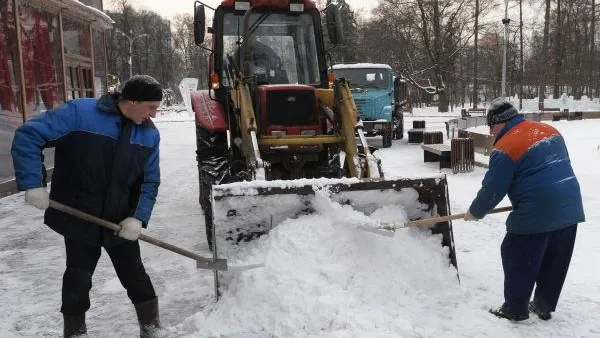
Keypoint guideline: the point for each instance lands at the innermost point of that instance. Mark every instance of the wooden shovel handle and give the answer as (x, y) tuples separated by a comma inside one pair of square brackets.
[(428, 221), (203, 262)]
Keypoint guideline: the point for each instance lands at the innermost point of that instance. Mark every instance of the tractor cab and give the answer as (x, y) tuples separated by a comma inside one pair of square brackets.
[(281, 50), (269, 42)]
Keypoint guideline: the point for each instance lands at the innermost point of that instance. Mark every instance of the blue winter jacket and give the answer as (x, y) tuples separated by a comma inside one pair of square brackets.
[(104, 165), (530, 163)]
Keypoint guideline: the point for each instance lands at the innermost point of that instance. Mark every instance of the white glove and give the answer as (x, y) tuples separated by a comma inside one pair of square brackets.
[(131, 228), (470, 217), (38, 197)]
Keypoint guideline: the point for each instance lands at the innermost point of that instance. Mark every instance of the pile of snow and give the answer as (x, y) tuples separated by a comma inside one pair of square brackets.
[(322, 274)]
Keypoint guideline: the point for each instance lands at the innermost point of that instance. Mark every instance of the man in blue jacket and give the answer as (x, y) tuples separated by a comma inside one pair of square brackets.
[(106, 164), (531, 164)]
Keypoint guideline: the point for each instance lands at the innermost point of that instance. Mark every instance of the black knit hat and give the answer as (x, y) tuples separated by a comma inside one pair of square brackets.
[(500, 111), (142, 88)]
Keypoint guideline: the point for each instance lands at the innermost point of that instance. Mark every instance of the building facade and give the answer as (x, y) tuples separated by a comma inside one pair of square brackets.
[(51, 51)]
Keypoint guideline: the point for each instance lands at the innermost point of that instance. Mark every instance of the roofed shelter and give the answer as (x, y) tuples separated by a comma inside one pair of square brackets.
[(51, 51)]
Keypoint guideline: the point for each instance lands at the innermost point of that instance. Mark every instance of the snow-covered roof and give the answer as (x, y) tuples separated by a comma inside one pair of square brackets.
[(78, 8), (361, 65)]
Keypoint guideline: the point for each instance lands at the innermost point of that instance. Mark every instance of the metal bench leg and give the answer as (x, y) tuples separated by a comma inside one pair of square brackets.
[(445, 160), (430, 157)]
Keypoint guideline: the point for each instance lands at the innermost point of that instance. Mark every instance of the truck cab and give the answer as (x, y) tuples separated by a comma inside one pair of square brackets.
[(372, 87)]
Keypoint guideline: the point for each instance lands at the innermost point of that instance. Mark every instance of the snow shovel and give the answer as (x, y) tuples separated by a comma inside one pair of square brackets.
[(388, 229), (202, 262)]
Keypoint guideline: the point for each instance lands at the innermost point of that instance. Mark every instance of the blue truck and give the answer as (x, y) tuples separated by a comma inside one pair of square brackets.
[(375, 96)]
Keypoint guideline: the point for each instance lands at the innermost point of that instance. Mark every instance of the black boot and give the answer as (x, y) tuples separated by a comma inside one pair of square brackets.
[(147, 314), (504, 312), (73, 326), (541, 314)]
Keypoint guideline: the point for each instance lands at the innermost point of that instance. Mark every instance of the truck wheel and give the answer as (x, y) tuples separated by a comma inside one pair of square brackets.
[(387, 138), (399, 131)]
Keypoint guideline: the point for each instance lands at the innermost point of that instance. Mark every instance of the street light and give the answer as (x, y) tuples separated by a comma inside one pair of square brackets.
[(131, 40), (505, 22)]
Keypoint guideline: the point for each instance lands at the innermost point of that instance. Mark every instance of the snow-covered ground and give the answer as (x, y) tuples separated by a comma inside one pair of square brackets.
[(321, 277)]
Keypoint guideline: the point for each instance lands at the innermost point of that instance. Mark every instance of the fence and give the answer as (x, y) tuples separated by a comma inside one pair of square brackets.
[(483, 143)]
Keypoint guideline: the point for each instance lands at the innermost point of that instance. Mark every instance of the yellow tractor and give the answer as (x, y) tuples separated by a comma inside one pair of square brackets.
[(275, 125)]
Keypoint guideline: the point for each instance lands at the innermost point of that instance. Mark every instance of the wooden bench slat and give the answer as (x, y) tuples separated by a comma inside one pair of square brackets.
[(437, 148)]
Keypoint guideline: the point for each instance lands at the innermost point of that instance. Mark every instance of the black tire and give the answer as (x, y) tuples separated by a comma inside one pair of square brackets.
[(205, 187), (399, 122), (335, 167), (211, 155), (387, 138)]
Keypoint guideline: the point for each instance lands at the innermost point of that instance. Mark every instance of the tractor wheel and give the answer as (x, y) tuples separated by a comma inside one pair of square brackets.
[(387, 138), (205, 187), (335, 167), (213, 167)]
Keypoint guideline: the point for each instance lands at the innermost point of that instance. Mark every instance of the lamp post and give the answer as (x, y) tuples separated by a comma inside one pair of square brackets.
[(505, 22), (131, 40)]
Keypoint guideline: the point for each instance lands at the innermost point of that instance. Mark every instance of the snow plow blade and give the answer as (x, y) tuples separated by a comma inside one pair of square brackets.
[(244, 211)]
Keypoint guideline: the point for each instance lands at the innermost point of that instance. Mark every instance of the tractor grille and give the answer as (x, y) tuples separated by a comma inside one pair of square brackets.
[(291, 108)]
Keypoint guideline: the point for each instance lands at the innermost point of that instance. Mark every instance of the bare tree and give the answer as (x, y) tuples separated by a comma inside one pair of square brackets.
[(191, 61), (521, 69), (558, 49), (475, 57), (592, 53), (542, 89)]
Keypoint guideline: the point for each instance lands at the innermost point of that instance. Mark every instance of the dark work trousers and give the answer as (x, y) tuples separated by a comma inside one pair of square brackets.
[(536, 259), (81, 263)]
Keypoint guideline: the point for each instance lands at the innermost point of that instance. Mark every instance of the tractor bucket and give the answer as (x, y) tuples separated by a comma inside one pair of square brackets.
[(246, 210)]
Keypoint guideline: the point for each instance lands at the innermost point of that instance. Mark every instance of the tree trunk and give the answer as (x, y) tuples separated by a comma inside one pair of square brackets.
[(443, 102), (521, 68), (475, 57), (592, 56), (542, 89), (558, 48)]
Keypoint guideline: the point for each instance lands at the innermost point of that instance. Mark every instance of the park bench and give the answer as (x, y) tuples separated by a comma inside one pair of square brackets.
[(467, 113), (438, 152), (433, 137), (418, 124), (477, 110), (415, 135)]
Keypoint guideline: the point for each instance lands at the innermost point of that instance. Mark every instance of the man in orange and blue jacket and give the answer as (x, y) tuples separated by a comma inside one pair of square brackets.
[(530, 163)]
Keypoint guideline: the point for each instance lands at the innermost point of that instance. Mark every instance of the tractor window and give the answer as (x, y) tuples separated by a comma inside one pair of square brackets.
[(365, 78), (282, 49)]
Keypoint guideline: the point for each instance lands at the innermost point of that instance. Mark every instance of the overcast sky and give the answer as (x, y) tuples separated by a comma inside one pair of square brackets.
[(169, 8)]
